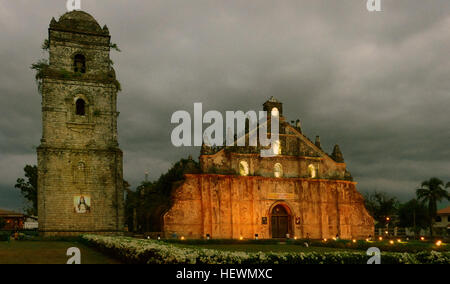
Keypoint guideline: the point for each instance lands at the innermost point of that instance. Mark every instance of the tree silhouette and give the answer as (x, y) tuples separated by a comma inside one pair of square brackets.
[(29, 188), (431, 192)]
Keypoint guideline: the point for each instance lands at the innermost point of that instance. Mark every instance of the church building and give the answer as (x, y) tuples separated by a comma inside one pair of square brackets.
[(301, 193), (80, 182)]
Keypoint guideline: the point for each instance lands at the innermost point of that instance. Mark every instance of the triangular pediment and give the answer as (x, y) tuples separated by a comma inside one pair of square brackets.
[(293, 142)]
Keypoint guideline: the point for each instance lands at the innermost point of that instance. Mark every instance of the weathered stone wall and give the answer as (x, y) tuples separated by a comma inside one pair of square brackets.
[(293, 166), (62, 178), (62, 127), (64, 46), (79, 154), (234, 207)]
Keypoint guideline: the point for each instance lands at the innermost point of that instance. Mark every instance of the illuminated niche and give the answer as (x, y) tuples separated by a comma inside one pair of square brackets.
[(243, 168)]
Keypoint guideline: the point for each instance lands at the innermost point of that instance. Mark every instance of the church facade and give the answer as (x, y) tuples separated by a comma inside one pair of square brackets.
[(301, 193), (80, 182)]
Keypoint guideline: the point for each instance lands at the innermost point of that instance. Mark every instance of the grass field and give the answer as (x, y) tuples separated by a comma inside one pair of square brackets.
[(54, 252), (48, 252)]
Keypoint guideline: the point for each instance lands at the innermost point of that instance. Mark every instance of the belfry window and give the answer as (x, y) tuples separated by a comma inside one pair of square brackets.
[(79, 63), (80, 107), (275, 112)]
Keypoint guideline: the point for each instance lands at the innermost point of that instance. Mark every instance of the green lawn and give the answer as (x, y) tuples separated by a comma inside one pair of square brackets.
[(48, 252), (262, 247)]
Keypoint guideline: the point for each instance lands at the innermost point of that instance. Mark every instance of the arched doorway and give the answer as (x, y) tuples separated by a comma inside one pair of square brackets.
[(280, 222)]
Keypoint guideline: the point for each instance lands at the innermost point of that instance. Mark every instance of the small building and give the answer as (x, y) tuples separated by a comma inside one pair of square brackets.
[(31, 223), (442, 222), (13, 220)]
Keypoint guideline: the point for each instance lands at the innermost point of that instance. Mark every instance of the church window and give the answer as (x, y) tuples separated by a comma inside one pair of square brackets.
[(278, 170), (276, 147), (312, 171), (80, 107), (79, 63), (243, 168)]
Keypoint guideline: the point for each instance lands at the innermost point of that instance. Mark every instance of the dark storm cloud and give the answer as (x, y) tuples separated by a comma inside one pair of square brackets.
[(375, 83)]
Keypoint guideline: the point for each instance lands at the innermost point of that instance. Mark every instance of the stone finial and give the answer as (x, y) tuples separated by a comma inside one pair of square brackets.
[(317, 143), (105, 29), (337, 154), (298, 125), (53, 21), (348, 175), (273, 100)]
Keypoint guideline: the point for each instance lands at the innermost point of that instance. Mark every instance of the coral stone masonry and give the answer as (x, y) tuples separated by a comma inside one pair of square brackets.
[(303, 192), (80, 183)]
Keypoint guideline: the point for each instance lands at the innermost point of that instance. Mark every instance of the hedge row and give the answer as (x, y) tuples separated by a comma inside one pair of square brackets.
[(410, 246), (137, 251)]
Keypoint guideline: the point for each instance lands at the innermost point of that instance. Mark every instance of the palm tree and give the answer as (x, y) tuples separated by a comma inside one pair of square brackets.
[(431, 192)]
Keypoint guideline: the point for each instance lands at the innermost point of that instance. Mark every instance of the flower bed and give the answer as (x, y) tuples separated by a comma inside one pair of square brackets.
[(140, 251), (359, 245), (404, 246)]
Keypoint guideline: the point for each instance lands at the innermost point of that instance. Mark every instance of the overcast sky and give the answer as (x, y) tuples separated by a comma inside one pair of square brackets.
[(377, 84)]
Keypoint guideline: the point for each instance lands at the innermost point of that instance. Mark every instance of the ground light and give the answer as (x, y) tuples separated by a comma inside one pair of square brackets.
[(422, 238), (439, 243), (354, 241), (241, 238), (182, 238), (391, 242), (380, 238)]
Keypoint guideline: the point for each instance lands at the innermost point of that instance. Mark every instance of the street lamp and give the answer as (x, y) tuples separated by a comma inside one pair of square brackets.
[(387, 225)]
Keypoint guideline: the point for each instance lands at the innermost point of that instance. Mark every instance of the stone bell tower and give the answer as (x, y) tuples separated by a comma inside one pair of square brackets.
[(80, 179)]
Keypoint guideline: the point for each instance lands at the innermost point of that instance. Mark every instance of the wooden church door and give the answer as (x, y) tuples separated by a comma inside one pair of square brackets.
[(280, 222)]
